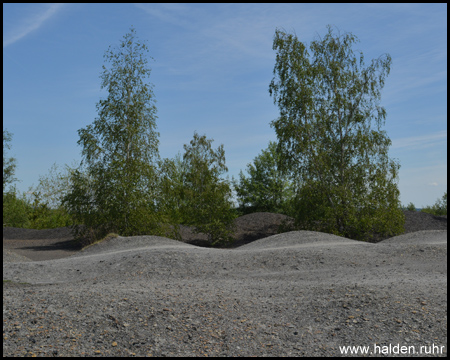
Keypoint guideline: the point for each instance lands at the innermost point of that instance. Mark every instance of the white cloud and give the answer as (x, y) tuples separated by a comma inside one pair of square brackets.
[(175, 14), (420, 142), (30, 24), (433, 184)]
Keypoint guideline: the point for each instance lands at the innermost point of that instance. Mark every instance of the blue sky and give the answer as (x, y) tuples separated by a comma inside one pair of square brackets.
[(211, 71)]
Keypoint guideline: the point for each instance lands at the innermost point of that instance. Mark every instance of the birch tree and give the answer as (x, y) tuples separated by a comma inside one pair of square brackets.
[(120, 150), (331, 138), (206, 197)]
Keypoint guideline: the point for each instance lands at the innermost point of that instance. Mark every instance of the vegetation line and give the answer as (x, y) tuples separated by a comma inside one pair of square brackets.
[(329, 169)]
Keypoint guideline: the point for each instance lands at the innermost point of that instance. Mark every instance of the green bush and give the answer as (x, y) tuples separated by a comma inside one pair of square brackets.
[(266, 188), (411, 207), (439, 208), (15, 210), (206, 196), (19, 212)]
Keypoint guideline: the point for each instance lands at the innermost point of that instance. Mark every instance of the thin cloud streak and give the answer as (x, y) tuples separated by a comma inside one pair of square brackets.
[(30, 24), (417, 142), (176, 14), (213, 65)]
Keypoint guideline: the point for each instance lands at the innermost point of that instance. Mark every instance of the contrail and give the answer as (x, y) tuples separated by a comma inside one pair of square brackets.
[(30, 24)]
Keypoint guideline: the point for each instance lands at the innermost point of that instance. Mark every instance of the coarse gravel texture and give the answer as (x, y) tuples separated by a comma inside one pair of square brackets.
[(300, 293)]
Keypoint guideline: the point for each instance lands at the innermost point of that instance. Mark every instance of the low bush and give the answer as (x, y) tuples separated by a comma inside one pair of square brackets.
[(439, 208), (16, 210)]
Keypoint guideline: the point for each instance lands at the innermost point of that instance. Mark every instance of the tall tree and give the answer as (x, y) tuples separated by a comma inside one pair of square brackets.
[(265, 188), (206, 197), (120, 149), (328, 101)]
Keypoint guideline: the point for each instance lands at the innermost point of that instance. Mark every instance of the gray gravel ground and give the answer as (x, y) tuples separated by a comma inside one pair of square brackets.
[(301, 293)]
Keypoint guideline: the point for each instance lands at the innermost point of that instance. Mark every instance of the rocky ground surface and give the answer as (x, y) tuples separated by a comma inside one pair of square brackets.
[(299, 293)]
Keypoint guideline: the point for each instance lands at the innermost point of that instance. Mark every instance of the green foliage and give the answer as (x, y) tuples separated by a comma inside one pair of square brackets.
[(19, 211), (42, 216), (439, 208), (205, 198), (53, 186), (327, 102), (15, 210), (410, 207), (9, 165), (116, 190), (46, 210), (170, 199), (266, 188), (35, 213)]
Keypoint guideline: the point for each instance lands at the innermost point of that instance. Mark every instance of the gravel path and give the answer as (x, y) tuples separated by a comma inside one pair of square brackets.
[(301, 293)]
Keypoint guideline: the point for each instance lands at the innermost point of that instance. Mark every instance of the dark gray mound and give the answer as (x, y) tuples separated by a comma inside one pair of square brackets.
[(421, 237), (12, 233), (131, 243), (418, 220), (303, 238), (114, 259)]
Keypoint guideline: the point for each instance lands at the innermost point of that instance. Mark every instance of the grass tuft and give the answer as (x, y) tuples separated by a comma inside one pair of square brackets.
[(107, 237)]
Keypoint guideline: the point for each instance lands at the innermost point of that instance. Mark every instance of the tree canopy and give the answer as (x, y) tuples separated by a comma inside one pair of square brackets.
[(328, 102), (265, 188), (116, 192), (205, 196)]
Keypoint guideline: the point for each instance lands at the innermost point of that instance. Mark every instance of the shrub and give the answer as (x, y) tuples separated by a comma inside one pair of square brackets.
[(15, 210), (411, 207), (439, 208)]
